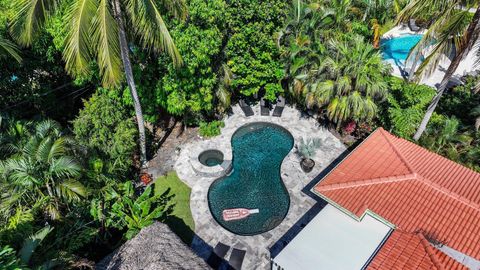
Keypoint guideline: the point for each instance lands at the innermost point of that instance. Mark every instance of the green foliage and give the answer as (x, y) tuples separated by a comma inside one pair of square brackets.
[(308, 148), (405, 106), (190, 90), (462, 101), (338, 73), (105, 127), (9, 260), (32, 242), (251, 52), (192, 87), (348, 91), (121, 209), (41, 172), (211, 129), (447, 137)]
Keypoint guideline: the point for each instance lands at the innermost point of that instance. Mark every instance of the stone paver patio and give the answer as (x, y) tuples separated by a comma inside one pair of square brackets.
[(208, 231)]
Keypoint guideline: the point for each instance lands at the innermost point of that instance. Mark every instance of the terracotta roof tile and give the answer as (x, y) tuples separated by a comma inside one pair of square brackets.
[(404, 250), (411, 187)]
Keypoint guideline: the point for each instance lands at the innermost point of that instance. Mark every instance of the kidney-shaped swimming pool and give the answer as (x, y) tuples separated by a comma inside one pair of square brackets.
[(255, 183)]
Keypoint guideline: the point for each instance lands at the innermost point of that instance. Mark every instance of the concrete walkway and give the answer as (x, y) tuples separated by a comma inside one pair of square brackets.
[(208, 231)]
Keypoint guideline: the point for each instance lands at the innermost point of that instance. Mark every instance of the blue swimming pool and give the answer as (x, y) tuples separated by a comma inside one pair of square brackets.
[(255, 183), (397, 48)]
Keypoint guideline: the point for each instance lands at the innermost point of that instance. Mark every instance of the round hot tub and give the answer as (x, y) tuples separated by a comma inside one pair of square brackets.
[(211, 158)]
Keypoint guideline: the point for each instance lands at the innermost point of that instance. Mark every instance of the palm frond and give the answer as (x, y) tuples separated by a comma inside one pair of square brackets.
[(64, 167), (78, 42), (32, 242), (29, 18), (177, 7), (43, 149), (150, 28), (449, 39), (47, 128), (105, 36), (9, 48), (71, 190), (57, 149), (20, 172)]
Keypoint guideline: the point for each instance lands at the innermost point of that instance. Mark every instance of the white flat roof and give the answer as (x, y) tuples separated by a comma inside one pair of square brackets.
[(333, 240)]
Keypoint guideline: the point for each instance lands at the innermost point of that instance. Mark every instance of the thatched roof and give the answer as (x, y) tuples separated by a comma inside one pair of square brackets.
[(155, 247)]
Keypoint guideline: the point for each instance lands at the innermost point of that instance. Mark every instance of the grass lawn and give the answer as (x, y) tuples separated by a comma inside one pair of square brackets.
[(180, 221)]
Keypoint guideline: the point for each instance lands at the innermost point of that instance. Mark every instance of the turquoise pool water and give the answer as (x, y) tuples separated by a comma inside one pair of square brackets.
[(397, 48), (258, 152)]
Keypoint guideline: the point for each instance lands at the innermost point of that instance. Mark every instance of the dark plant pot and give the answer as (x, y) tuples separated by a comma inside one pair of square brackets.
[(307, 164)]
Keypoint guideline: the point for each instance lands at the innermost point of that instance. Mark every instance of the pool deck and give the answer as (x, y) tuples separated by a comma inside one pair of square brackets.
[(208, 232), (467, 66)]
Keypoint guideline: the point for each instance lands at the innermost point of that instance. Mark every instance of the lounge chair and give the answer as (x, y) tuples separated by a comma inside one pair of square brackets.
[(217, 255), (279, 107), (247, 110), (264, 110), (413, 26), (236, 258)]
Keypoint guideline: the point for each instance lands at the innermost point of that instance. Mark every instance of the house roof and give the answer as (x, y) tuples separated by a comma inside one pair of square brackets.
[(404, 250), (410, 187)]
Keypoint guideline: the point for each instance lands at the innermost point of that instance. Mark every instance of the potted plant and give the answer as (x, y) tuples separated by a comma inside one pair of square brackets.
[(306, 150)]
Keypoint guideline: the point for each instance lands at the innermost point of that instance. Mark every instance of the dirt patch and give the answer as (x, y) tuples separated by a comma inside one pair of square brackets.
[(170, 140)]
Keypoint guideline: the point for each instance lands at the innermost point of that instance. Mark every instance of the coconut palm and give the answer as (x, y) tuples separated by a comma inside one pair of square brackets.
[(453, 30), (97, 29), (348, 81), (41, 173), (8, 48)]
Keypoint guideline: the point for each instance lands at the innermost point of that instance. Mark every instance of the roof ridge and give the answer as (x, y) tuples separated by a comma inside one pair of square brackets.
[(368, 182), (387, 135), (448, 192), (429, 249), (427, 181)]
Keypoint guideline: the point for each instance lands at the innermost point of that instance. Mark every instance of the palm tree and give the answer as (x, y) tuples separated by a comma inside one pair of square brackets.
[(348, 81), (381, 9), (8, 48), (454, 33), (301, 41), (41, 173), (96, 29)]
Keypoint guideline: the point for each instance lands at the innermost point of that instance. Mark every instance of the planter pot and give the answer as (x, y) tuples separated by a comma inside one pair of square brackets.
[(307, 165)]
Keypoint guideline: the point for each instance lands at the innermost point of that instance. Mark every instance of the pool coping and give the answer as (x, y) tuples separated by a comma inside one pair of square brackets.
[(207, 228)]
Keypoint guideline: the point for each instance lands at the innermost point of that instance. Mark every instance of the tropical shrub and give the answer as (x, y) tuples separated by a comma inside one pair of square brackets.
[(446, 136), (405, 106), (463, 101), (191, 90), (9, 260), (121, 209), (211, 129), (105, 126), (41, 173), (251, 52), (349, 81)]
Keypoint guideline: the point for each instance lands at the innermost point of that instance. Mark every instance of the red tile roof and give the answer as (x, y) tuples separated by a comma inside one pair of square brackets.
[(411, 187), (404, 250)]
